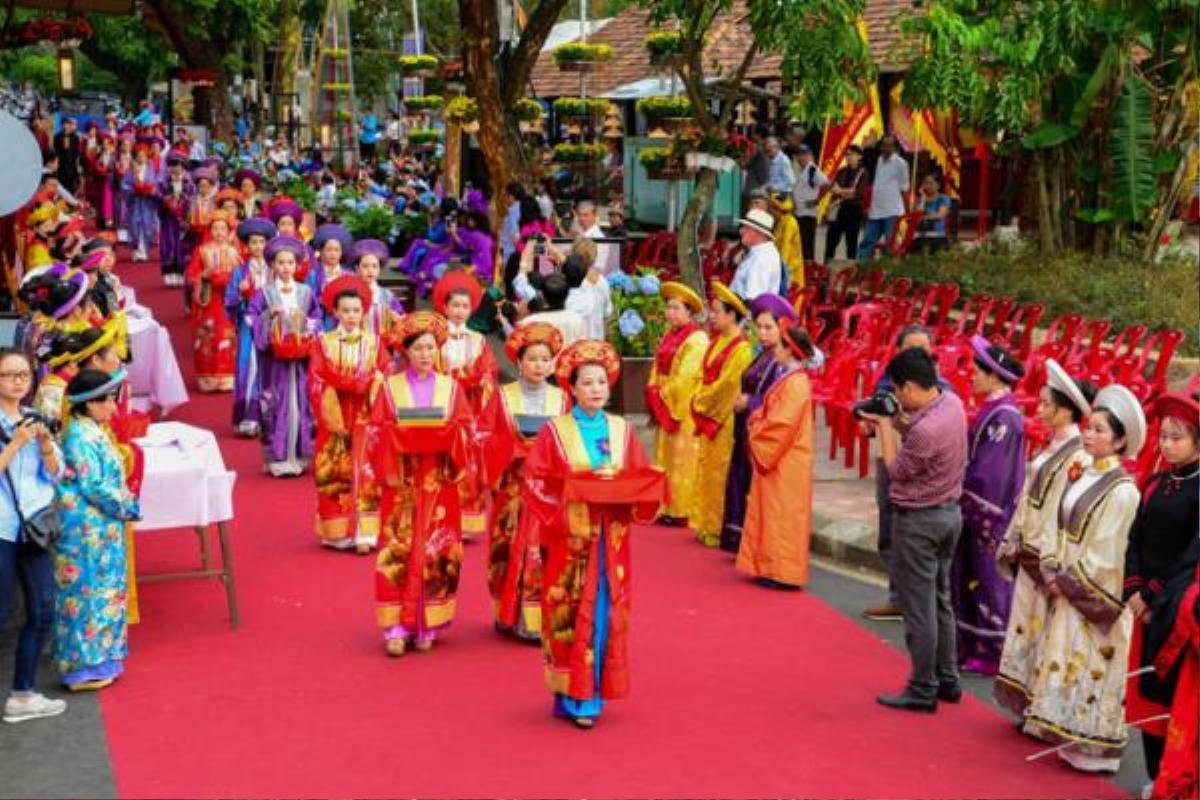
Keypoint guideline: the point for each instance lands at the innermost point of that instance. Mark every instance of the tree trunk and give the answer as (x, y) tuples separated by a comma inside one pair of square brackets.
[(687, 252), (496, 87), (1044, 221), (287, 61), (203, 54)]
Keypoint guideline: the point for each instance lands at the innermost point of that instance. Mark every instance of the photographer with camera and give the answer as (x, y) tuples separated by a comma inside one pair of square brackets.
[(925, 455), (913, 335), (31, 465)]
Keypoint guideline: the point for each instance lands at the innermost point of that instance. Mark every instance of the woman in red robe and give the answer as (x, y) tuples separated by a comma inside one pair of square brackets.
[(347, 363), (425, 453), (588, 479), (515, 416), (468, 359), (214, 335)]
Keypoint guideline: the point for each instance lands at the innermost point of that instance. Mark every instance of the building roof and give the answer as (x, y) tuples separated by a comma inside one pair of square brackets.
[(728, 43)]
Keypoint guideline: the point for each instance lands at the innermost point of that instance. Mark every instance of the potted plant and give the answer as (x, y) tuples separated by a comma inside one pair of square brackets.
[(337, 88), (581, 56), (579, 153), (580, 107), (527, 110), (423, 66), (428, 103), (343, 115), (662, 109), (462, 110), (662, 164), (423, 138), (337, 52), (371, 222), (638, 324), (663, 46)]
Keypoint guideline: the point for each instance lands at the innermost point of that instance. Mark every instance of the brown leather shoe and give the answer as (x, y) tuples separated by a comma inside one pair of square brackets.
[(883, 612)]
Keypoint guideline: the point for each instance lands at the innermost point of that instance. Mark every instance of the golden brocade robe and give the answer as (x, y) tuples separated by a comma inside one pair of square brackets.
[(1077, 687), (724, 362), (1033, 535), (676, 452)]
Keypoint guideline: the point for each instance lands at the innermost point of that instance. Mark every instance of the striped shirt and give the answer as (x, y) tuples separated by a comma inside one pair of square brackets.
[(932, 461)]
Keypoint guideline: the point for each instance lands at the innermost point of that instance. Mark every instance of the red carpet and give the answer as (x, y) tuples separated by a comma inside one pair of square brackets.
[(737, 692)]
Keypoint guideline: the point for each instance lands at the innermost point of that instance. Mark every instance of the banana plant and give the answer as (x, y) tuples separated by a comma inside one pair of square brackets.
[(1131, 147)]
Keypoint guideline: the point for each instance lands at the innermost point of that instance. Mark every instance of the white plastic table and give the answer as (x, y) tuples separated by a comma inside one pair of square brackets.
[(186, 485)]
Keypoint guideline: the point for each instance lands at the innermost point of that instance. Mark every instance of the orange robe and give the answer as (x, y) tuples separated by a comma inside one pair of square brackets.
[(514, 560), (342, 371), (779, 512), (214, 335), (470, 361), (575, 512), (424, 459)]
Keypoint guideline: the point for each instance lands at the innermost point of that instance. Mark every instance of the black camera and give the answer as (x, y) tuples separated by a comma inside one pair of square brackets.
[(880, 404), (34, 417), (540, 248)]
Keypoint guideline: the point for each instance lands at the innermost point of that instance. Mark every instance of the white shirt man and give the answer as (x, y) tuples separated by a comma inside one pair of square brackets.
[(587, 224), (592, 301), (762, 269), (890, 186), (809, 182)]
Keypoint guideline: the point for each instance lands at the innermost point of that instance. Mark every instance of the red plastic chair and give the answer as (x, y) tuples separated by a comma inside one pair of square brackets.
[(1086, 347), (970, 319), (835, 298), (934, 315), (1001, 311), (1158, 349), (1017, 336)]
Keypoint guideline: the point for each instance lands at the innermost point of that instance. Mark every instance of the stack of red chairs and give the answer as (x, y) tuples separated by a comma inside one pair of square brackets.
[(854, 316)]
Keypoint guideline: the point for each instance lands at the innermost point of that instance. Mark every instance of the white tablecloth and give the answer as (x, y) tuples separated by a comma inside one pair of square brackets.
[(154, 374), (186, 483)]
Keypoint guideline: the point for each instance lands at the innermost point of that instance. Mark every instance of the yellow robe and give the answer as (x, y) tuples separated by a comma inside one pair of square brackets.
[(675, 453), (787, 241), (778, 523), (714, 400)]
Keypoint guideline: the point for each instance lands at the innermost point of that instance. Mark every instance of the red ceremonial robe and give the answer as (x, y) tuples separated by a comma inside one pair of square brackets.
[(573, 507), (514, 560), (343, 369), (423, 460)]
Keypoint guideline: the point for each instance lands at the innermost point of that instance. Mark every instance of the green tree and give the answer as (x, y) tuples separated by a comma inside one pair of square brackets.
[(133, 54), (1096, 93), (212, 35), (824, 63)]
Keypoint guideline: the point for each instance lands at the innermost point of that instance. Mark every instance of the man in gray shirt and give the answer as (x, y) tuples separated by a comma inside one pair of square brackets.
[(888, 204), (926, 471), (780, 176)]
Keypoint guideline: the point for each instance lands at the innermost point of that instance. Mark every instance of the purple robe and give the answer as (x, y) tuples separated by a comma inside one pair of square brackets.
[(426, 259), (237, 306), (142, 220), (172, 215), (285, 415), (980, 591), (756, 380)]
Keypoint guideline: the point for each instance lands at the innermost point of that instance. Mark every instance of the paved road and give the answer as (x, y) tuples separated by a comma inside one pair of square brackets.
[(68, 756)]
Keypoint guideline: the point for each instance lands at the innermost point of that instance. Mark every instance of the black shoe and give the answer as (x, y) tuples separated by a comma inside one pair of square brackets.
[(907, 702), (949, 693)]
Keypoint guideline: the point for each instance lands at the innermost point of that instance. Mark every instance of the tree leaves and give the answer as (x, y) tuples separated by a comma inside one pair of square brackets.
[(1049, 134), (1131, 149)]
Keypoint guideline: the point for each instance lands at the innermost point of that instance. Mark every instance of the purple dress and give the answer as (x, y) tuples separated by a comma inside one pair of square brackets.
[(172, 216), (286, 417), (756, 380), (237, 306), (981, 594), (142, 221)]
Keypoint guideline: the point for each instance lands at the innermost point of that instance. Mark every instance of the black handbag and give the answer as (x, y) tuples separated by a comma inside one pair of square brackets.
[(42, 529)]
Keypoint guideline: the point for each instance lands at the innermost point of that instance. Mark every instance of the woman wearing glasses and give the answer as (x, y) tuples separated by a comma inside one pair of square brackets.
[(89, 636), (29, 459)]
